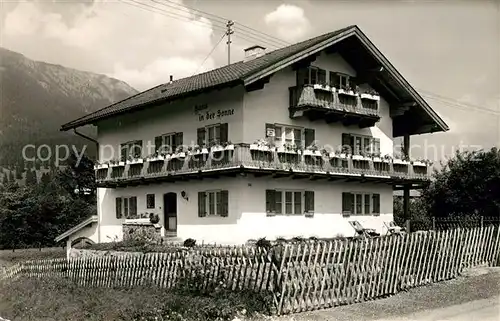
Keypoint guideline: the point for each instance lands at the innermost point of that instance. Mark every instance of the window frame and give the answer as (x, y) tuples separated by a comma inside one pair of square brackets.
[(283, 202), (171, 144), (363, 150), (283, 129), (148, 198), (364, 196), (129, 147), (216, 204)]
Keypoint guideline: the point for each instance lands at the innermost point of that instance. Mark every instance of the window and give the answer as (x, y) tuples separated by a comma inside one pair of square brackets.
[(126, 207), (130, 149), (360, 145), (289, 202), (339, 80), (168, 142), (150, 201), (288, 135), (212, 135), (360, 203), (213, 203), (311, 75)]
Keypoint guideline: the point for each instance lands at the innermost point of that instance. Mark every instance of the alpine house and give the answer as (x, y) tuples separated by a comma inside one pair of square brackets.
[(294, 142)]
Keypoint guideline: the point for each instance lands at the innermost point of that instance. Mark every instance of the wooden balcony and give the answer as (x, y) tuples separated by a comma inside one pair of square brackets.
[(328, 104), (246, 159)]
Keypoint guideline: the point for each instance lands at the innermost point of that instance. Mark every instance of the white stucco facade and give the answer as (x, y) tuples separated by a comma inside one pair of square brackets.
[(246, 114)]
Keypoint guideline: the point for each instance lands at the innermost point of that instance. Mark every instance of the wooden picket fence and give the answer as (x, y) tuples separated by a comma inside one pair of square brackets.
[(303, 276)]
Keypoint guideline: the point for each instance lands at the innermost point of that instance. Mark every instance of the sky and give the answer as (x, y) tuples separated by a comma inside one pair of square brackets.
[(449, 50)]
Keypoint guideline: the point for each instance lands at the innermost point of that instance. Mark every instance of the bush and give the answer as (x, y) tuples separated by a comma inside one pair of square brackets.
[(190, 242), (263, 243)]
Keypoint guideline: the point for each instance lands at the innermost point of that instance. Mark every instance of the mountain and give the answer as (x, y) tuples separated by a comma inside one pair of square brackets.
[(36, 98)]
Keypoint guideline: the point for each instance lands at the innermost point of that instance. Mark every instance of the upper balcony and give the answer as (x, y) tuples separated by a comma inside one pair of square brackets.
[(334, 105), (262, 160)]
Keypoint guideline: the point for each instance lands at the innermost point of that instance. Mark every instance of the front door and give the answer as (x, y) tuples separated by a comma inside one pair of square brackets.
[(170, 212)]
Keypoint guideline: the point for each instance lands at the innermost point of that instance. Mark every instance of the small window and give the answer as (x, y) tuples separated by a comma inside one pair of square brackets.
[(288, 202), (126, 207), (288, 135), (131, 149), (169, 142), (361, 203), (150, 201), (213, 203)]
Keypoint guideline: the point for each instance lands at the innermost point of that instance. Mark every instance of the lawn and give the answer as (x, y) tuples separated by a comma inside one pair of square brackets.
[(9, 257), (30, 299)]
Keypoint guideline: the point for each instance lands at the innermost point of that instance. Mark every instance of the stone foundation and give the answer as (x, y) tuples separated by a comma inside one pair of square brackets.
[(142, 231)]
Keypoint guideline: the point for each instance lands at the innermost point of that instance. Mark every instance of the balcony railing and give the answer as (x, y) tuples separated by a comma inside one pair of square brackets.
[(333, 106), (249, 158)]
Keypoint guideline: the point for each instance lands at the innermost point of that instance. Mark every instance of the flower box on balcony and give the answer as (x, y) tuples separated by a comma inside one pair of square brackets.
[(135, 161), (284, 150), (199, 151), (178, 155), (347, 92), (321, 87), (378, 160), (419, 164), (118, 164), (359, 157), (400, 162), (217, 148), (309, 152), (262, 148), (370, 97), (101, 166), (229, 147), (156, 158)]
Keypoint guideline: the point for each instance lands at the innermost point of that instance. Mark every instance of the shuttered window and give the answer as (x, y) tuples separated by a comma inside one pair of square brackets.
[(126, 207), (347, 203), (213, 203), (309, 137), (376, 203), (360, 144), (130, 149), (213, 134), (289, 202), (360, 203), (289, 135), (168, 143)]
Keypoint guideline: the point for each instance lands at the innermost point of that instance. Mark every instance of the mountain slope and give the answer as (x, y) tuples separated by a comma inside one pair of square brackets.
[(36, 98)]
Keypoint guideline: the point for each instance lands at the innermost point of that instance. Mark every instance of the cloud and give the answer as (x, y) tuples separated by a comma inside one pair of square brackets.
[(138, 46), (290, 22)]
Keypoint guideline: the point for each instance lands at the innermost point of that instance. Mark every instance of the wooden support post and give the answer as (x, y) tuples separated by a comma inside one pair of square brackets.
[(406, 145), (408, 226), (433, 223), (406, 202)]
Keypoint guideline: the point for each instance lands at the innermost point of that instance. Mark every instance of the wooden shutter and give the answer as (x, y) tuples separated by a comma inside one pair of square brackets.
[(347, 199), (137, 148), (123, 152), (200, 136), (202, 206), (309, 203), (118, 207), (321, 76), (376, 204), (133, 207), (125, 207), (376, 146), (225, 203), (158, 143), (270, 202), (334, 79), (224, 128), (177, 141), (309, 137), (347, 143)]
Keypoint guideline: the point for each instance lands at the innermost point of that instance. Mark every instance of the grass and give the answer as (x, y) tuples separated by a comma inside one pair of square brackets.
[(9, 257), (30, 299)]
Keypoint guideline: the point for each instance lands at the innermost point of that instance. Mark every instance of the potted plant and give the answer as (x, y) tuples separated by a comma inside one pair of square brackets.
[(154, 218), (179, 152), (216, 147), (312, 150), (134, 160), (324, 87), (116, 163), (371, 95), (261, 145), (228, 145), (376, 157), (387, 158), (347, 90), (101, 166), (288, 148)]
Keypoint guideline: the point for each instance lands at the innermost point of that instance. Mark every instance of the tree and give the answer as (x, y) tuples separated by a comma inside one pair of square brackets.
[(5, 180), (468, 185), (418, 214), (12, 179), (79, 176), (31, 178)]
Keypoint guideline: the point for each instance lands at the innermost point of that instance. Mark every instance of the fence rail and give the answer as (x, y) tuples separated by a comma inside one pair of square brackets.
[(301, 277)]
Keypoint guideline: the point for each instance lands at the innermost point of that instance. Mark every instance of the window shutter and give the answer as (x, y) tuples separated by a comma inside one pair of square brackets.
[(270, 202), (202, 211), (309, 203), (133, 206), (225, 203), (309, 137), (125, 207), (118, 207), (177, 141), (137, 148), (376, 204), (347, 199), (123, 152), (321, 76), (224, 128), (200, 136), (376, 146), (347, 143), (158, 143), (270, 131), (334, 79)]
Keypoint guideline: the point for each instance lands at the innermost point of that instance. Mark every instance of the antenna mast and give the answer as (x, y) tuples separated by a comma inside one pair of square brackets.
[(229, 32)]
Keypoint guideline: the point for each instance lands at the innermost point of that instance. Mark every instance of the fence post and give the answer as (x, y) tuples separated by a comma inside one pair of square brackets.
[(482, 222), (433, 223), (407, 226)]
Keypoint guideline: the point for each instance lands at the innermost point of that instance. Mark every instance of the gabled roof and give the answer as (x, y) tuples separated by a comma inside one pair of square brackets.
[(74, 229), (246, 73)]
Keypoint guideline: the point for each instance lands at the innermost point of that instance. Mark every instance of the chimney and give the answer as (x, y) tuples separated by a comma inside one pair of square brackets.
[(254, 52), (171, 78)]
